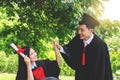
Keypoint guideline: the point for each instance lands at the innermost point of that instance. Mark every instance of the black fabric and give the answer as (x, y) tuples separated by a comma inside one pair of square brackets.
[(51, 68), (97, 66)]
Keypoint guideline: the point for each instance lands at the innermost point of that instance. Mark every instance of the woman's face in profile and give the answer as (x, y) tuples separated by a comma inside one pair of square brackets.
[(32, 55)]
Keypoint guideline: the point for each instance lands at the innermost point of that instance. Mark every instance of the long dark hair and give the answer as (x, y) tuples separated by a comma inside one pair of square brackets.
[(22, 68)]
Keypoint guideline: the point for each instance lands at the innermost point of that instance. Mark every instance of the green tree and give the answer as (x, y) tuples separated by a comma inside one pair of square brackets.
[(33, 22), (36, 20)]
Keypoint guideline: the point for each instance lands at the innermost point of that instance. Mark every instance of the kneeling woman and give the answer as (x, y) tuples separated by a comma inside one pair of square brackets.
[(32, 69)]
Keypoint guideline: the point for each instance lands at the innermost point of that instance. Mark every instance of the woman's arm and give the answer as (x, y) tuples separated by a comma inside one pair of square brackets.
[(29, 70), (56, 53)]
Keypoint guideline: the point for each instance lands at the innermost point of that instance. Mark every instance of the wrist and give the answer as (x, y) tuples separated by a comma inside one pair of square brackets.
[(59, 47), (28, 66)]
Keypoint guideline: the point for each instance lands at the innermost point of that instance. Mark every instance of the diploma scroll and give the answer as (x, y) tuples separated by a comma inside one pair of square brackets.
[(16, 49)]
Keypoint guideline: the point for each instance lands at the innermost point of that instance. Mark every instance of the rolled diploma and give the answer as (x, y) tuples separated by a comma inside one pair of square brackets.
[(15, 47)]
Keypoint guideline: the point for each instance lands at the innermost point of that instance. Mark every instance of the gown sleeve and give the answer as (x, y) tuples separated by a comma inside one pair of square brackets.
[(70, 49), (104, 70), (51, 68), (108, 70)]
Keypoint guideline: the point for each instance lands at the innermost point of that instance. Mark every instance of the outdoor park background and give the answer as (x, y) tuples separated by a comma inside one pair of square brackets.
[(34, 22)]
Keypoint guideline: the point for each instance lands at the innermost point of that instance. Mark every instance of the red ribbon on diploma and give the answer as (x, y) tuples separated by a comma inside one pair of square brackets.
[(20, 50)]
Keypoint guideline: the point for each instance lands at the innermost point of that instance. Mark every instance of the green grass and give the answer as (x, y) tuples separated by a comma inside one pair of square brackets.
[(7, 76), (67, 77), (10, 76)]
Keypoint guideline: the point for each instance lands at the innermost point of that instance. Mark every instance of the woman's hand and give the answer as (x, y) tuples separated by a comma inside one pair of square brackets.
[(55, 44), (56, 47), (27, 60), (29, 70)]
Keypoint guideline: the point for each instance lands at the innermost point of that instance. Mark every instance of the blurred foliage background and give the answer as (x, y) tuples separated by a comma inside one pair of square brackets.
[(34, 22)]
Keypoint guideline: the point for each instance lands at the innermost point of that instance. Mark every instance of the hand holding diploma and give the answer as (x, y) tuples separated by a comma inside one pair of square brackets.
[(18, 49)]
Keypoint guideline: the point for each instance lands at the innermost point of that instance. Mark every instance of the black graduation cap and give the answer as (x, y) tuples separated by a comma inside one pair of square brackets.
[(89, 21)]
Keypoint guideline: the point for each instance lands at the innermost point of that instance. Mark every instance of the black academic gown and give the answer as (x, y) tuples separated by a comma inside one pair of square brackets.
[(51, 68), (97, 65)]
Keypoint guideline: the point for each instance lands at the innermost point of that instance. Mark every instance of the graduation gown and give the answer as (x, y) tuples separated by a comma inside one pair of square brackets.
[(46, 68), (97, 62)]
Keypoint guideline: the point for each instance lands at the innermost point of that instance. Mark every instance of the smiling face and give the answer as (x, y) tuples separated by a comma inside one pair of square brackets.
[(84, 32), (32, 55)]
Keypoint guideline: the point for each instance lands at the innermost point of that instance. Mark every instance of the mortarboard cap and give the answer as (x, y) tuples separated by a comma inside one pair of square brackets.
[(89, 21)]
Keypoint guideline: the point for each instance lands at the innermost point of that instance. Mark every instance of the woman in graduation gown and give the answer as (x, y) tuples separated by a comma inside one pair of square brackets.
[(30, 68), (87, 54)]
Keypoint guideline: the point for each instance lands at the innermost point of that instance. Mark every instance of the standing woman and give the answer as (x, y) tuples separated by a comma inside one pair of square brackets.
[(30, 68)]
